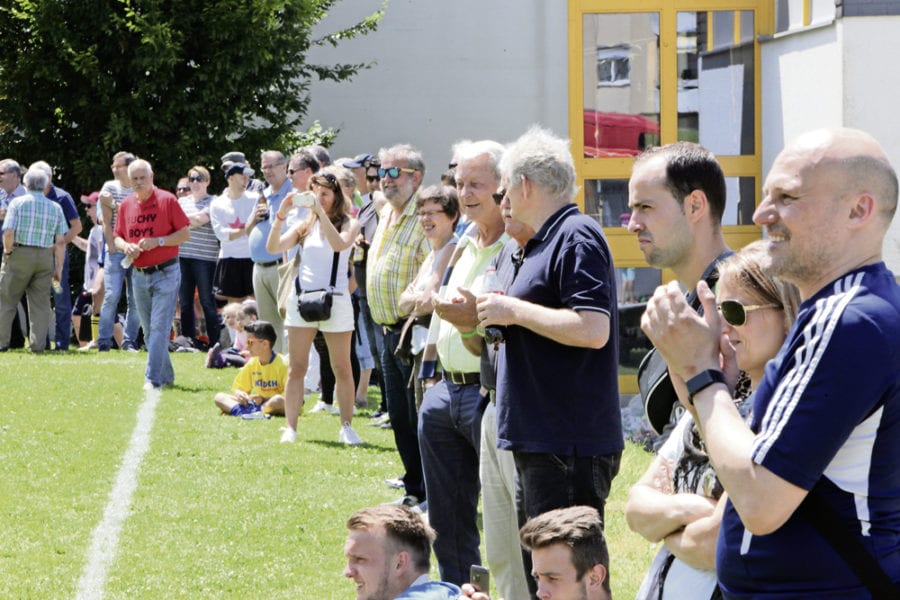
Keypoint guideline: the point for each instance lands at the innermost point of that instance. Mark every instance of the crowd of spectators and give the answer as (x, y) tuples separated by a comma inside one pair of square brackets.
[(487, 306)]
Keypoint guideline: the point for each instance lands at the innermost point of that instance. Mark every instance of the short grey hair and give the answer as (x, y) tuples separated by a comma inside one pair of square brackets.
[(36, 179), (467, 150), (139, 163), (8, 164), (544, 159), (406, 153), (44, 166)]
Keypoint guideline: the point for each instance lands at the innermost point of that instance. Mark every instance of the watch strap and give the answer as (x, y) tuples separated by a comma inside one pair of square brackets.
[(703, 380)]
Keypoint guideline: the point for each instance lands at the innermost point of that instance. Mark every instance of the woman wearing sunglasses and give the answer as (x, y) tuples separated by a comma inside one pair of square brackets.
[(328, 229), (679, 500)]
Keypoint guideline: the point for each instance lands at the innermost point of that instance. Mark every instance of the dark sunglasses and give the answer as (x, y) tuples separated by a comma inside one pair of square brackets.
[(194, 178), (183, 189), (372, 178), (735, 313), (499, 195), (292, 171), (393, 172)]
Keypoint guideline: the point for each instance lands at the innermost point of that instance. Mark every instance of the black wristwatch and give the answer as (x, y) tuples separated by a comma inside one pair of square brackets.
[(703, 380)]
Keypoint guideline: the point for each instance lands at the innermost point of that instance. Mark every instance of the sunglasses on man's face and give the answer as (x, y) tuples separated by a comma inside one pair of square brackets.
[(393, 172), (371, 178), (183, 189), (735, 313)]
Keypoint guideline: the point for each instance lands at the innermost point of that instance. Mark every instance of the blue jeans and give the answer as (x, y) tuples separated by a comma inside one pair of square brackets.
[(62, 306), (450, 441), (114, 276), (155, 295), (401, 404), (376, 344), (198, 273)]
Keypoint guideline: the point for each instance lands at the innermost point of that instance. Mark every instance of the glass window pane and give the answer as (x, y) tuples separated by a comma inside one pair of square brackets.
[(633, 344), (621, 83), (606, 200), (715, 84), (740, 201)]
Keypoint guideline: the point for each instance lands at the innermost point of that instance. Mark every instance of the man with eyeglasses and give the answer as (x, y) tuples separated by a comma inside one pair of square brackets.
[(11, 187), (557, 373), (815, 474), (450, 417), (115, 276), (265, 264), (677, 198), (397, 251)]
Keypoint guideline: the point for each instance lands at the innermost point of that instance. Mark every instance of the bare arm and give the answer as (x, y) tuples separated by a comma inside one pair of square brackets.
[(59, 249), (691, 343), (654, 512), (74, 229), (339, 240), (584, 328), (696, 543), (9, 240)]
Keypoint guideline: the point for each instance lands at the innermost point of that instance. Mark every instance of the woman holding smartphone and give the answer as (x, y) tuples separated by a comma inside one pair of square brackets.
[(328, 229)]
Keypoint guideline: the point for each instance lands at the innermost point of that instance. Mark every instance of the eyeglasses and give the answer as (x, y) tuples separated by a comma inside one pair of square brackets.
[(735, 313), (499, 195), (393, 172), (195, 178), (371, 178), (183, 189), (429, 213), (292, 171)]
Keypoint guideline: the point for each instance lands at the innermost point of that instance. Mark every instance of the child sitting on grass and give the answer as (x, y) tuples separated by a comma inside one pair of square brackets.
[(236, 316), (259, 385)]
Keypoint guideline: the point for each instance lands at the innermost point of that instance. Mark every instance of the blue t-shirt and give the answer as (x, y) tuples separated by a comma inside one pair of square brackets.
[(64, 199), (827, 416), (553, 398), (260, 232), (430, 590)]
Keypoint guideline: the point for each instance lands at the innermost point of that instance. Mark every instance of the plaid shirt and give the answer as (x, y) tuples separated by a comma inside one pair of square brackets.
[(36, 220), (395, 256)]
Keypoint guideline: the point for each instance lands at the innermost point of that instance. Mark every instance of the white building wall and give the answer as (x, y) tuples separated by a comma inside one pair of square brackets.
[(872, 94), (445, 71), (837, 75)]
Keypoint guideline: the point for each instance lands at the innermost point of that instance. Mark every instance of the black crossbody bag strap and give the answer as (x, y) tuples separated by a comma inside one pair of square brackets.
[(831, 527)]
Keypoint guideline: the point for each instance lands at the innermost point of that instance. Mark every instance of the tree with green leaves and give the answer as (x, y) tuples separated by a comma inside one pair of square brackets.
[(178, 82)]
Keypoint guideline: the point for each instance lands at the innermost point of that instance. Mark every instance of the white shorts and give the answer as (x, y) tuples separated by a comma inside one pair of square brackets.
[(341, 315)]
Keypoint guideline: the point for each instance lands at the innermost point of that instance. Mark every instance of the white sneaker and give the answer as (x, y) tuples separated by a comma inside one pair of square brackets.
[(288, 436), (348, 436), (336, 410), (319, 407)]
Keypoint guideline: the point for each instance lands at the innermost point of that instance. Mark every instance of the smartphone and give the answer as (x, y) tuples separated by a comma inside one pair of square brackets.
[(304, 199), (480, 577)]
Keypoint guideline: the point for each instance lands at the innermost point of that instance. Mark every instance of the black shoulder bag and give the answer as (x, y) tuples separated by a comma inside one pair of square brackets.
[(315, 305)]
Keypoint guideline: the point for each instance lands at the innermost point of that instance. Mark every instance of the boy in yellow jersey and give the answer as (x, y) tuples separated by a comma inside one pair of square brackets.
[(259, 385)]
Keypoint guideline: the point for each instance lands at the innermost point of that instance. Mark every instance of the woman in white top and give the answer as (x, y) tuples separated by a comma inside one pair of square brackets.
[(679, 500), (327, 230)]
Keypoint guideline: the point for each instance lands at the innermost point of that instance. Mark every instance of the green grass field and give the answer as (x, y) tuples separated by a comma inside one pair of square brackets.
[(220, 509)]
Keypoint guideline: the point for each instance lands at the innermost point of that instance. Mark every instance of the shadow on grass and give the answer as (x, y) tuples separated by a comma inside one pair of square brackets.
[(365, 446)]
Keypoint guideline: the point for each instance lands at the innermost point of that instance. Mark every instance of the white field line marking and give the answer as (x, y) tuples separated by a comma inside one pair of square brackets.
[(105, 538)]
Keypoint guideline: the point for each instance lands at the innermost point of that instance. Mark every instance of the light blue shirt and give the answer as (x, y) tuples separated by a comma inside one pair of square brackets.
[(260, 232)]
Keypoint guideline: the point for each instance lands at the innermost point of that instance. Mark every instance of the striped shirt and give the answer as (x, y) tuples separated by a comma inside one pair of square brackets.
[(397, 252), (36, 220), (203, 244), (119, 192)]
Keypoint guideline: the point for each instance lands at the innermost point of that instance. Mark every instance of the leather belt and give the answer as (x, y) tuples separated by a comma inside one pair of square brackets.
[(271, 263), (463, 378), (155, 268)]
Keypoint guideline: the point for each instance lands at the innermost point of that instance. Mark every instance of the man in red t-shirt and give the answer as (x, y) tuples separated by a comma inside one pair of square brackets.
[(149, 228)]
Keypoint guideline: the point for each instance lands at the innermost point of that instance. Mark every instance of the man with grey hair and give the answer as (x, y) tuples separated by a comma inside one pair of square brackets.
[(11, 187), (557, 380), (33, 230), (62, 295), (150, 226), (397, 251), (450, 418)]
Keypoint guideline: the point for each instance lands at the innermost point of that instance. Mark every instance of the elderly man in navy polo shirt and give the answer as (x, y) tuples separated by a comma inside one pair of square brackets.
[(557, 380)]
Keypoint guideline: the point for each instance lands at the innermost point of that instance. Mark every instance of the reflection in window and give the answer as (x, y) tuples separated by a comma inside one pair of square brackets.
[(716, 80), (606, 200), (740, 201), (613, 66), (633, 344), (621, 83)]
